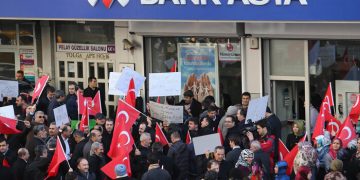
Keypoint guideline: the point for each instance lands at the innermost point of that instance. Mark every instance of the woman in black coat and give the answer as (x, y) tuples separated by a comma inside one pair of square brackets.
[(297, 133)]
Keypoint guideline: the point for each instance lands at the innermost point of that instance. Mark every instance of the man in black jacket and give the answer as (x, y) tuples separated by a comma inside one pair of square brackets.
[(20, 164), (91, 91), (274, 124), (44, 101), (225, 167), (78, 151), (233, 156), (139, 162), (7, 159), (166, 162), (55, 102), (181, 156), (192, 107), (97, 160), (71, 101), (38, 168), (39, 137), (261, 159), (155, 171)]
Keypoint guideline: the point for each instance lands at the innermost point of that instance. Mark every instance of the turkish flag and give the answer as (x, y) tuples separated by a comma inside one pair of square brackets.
[(127, 113), (130, 96), (84, 122), (8, 126), (158, 100), (355, 110), (328, 100), (39, 87), (94, 105), (290, 157), (347, 132), (221, 136), (333, 124), (283, 150), (57, 159), (188, 138), (173, 68), (159, 136), (122, 158), (5, 163)]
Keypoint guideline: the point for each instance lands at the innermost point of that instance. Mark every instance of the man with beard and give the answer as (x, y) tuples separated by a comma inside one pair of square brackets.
[(97, 160), (39, 137)]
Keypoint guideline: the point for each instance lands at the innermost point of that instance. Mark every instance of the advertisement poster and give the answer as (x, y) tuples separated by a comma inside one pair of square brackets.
[(229, 52), (27, 63), (199, 69)]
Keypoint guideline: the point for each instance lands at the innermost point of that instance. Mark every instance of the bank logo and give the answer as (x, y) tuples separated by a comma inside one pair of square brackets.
[(108, 3)]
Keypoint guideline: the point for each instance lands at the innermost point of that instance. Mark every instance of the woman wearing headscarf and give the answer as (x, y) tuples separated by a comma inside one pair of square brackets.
[(336, 168), (322, 144), (297, 133), (335, 152), (306, 157), (244, 162)]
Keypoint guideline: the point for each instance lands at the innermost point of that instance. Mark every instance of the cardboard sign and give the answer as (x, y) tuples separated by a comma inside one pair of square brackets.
[(257, 109), (206, 143), (124, 80), (61, 115), (113, 79), (7, 111), (8, 89), (164, 84), (173, 114)]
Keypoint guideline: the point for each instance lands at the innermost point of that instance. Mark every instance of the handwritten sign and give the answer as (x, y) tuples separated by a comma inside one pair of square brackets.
[(257, 109), (206, 143), (61, 115), (7, 111), (173, 114), (164, 84), (8, 89), (124, 80)]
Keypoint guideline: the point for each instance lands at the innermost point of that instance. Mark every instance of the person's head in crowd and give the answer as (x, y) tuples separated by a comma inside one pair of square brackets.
[(193, 124), (39, 117), (188, 96), (261, 127), (175, 137), (241, 114), (51, 144), (268, 112), (92, 81), (280, 168), (245, 99), (336, 144), (21, 101), (145, 139), (336, 165), (207, 102), (322, 141), (60, 96), (255, 146), (4, 146), (83, 165), (204, 122), (50, 92), (120, 171), (212, 112), (211, 175), (298, 128), (245, 159), (41, 151), (142, 128), (66, 131), (72, 87), (109, 125), (23, 154), (219, 153), (53, 130), (166, 125), (19, 75), (213, 165), (170, 100), (78, 136), (304, 173), (95, 135), (99, 128), (30, 110), (40, 131), (306, 156), (97, 149), (157, 147), (230, 122), (100, 119), (234, 140), (153, 158)]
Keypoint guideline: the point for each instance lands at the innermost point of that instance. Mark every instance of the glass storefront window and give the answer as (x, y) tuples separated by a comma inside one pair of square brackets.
[(7, 33), (85, 32), (162, 52), (26, 34)]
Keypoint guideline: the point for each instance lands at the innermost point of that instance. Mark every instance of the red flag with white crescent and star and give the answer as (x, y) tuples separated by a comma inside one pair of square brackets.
[(39, 87), (283, 150), (333, 124), (121, 158), (8, 126), (355, 110), (130, 96), (347, 133), (93, 105), (84, 122), (160, 136), (57, 159)]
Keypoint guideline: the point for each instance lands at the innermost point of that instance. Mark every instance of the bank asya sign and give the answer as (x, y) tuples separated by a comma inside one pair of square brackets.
[(123, 3)]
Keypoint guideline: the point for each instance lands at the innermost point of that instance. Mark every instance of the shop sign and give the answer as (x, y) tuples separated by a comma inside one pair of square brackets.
[(90, 48), (84, 56), (229, 52)]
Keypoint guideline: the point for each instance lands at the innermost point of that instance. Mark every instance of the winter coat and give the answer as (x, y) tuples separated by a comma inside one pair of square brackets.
[(95, 164), (292, 140), (37, 169), (157, 173), (88, 176), (181, 156), (18, 169), (71, 106), (281, 175)]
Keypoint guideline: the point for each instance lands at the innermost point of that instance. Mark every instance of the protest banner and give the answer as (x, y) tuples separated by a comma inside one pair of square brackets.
[(206, 143), (113, 89), (61, 115), (257, 109), (173, 114), (7, 111), (8, 89), (124, 80), (164, 84)]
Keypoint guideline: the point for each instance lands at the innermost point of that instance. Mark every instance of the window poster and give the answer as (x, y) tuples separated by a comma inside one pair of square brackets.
[(198, 65)]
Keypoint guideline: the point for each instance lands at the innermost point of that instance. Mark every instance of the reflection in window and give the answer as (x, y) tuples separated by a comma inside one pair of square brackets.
[(7, 65), (7, 33), (91, 69), (26, 34), (62, 68), (80, 69), (71, 69), (101, 70)]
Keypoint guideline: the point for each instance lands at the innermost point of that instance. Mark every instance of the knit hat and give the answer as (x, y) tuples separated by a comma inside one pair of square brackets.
[(120, 170), (336, 165)]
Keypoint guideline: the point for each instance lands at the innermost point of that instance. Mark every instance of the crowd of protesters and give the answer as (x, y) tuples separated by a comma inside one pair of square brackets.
[(249, 151)]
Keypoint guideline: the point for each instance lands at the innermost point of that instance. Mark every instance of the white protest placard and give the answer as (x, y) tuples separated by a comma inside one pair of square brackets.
[(124, 80), (257, 109), (113, 79), (7, 111), (206, 143), (61, 115), (173, 114), (164, 84), (8, 89)]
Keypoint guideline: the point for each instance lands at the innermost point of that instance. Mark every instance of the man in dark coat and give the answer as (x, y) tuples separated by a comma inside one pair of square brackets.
[(261, 159), (155, 171), (38, 168), (166, 162), (71, 101), (225, 167), (55, 102), (181, 156), (78, 151), (274, 125), (91, 91), (39, 137), (107, 137), (233, 156), (7, 159), (97, 160), (20, 164), (138, 163), (44, 101), (232, 130), (192, 107)]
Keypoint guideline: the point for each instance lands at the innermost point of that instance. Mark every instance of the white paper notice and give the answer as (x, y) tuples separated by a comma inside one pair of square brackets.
[(124, 80), (164, 84), (257, 109), (8, 89), (61, 115), (113, 89), (7, 111), (206, 143), (173, 114)]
